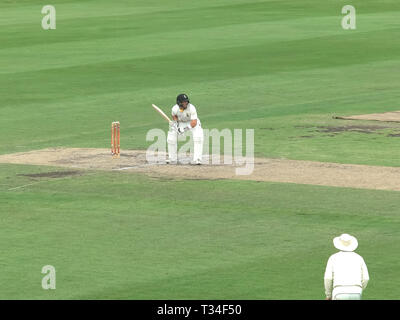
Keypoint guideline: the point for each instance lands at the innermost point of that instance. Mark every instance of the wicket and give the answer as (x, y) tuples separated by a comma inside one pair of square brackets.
[(115, 138)]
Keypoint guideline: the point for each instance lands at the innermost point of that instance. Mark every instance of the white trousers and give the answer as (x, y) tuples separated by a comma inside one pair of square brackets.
[(198, 137), (347, 293), (347, 296)]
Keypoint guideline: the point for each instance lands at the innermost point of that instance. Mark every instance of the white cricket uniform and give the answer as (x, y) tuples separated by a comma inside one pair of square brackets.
[(184, 118), (347, 274)]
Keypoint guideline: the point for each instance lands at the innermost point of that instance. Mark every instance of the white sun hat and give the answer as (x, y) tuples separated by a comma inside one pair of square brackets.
[(345, 242)]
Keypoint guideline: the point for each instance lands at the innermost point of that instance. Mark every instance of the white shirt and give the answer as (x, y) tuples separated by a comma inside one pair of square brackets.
[(346, 272), (186, 115)]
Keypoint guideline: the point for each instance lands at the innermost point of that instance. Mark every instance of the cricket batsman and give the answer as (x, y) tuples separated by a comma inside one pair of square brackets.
[(184, 120)]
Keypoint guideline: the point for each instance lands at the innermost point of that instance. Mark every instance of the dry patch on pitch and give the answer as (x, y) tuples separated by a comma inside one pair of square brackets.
[(393, 116), (273, 170)]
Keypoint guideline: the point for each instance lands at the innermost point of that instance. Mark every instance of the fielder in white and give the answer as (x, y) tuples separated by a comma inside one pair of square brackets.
[(184, 120), (346, 274)]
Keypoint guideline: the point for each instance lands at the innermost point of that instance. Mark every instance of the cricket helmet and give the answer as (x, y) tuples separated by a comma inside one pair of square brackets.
[(181, 98)]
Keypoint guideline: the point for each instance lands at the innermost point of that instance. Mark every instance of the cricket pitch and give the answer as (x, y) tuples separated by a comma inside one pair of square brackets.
[(265, 169)]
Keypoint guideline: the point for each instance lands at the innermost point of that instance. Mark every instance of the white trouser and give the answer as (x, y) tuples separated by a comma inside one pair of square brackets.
[(197, 134), (346, 293), (347, 296)]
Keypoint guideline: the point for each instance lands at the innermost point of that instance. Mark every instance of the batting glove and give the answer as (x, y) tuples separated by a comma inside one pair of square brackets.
[(173, 125), (183, 130)]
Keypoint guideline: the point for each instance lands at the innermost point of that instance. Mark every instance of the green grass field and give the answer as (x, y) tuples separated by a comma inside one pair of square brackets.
[(283, 68)]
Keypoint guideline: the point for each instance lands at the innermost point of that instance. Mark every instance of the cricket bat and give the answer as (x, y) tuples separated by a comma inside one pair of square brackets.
[(161, 112)]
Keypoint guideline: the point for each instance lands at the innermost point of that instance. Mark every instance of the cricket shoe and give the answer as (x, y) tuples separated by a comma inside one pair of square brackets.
[(196, 162), (168, 161)]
